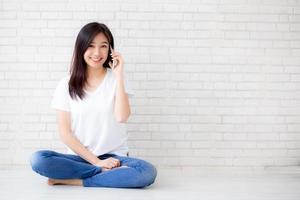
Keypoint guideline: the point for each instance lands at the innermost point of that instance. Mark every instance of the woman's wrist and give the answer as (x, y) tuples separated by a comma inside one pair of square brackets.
[(95, 161)]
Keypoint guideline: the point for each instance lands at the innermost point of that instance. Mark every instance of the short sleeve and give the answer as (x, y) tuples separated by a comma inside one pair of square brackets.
[(60, 100)]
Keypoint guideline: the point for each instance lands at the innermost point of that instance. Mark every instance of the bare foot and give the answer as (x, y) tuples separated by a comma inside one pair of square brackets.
[(64, 181), (105, 169), (51, 181)]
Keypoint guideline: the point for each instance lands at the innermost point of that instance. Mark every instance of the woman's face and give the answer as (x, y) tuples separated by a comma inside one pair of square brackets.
[(97, 52)]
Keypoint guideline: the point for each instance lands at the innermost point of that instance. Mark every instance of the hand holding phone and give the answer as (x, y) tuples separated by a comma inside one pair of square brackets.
[(113, 64), (116, 63)]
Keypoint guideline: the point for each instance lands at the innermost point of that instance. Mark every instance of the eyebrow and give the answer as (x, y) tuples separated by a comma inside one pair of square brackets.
[(101, 42)]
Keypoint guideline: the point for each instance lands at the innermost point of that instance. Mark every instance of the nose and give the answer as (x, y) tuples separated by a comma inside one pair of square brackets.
[(96, 52)]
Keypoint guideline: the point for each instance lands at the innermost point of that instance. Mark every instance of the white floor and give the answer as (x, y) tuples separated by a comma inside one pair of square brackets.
[(171, 184)]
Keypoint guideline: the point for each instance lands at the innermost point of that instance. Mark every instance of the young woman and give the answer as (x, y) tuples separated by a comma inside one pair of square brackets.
[(92, 106)]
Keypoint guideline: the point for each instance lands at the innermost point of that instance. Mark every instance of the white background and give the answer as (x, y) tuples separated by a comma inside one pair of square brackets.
[(216, 81)]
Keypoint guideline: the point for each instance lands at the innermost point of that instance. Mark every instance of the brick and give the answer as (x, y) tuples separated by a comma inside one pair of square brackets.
[(216, 82)]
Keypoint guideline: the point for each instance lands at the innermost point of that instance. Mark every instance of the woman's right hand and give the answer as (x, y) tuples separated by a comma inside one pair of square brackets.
[(108, 163)]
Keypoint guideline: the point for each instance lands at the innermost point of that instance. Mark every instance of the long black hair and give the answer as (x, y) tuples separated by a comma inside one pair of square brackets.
[(78, 68)]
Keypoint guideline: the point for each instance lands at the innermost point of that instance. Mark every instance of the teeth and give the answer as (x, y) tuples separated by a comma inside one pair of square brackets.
[(96, 60)]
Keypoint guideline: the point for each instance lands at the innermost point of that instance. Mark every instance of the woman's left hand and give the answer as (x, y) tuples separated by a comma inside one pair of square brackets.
[(117, 64)]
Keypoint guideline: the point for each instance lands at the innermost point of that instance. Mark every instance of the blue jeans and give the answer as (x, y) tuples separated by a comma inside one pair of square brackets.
[(133, 173)]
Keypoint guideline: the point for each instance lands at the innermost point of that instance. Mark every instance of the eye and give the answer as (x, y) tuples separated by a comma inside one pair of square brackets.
[(91, 45), (104, 46)]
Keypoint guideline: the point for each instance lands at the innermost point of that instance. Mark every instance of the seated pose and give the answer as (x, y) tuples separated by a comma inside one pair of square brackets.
[(92, 108)]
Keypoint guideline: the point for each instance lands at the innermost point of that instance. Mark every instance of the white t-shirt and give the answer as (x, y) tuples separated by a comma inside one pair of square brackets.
[(92, 118)]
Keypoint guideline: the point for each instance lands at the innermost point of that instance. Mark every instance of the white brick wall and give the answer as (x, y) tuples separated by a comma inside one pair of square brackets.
[(217, 82)]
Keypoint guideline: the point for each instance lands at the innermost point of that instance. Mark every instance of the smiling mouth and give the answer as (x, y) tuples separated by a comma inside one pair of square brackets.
[(96, 60)]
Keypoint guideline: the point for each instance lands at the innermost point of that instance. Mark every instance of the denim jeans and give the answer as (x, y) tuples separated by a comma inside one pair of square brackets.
[(133, 172)]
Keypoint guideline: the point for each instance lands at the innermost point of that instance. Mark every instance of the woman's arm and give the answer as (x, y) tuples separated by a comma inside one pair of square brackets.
[(64, 127), (122, 108)]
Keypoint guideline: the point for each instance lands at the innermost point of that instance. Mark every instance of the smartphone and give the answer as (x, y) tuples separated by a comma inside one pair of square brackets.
[(112, 61)]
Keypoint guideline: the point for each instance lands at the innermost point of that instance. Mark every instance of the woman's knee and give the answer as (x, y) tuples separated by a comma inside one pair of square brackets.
[(149, 174), (38, 159)]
